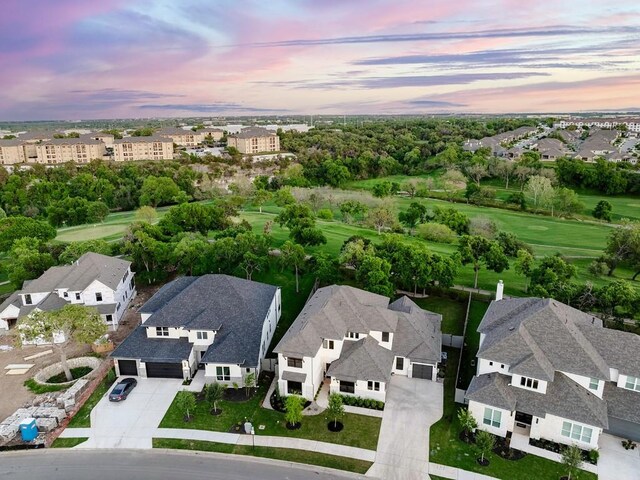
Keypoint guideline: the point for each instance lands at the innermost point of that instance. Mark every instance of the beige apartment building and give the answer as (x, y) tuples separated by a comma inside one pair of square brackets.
[(12, 152), (254, 140), (216, 134), (142, 148), (189, 138), (62, 150)]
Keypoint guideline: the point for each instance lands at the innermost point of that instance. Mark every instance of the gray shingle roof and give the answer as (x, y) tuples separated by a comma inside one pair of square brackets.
[(538, 337), (13, 142), (418, 335), (79, 275), (622, 403), (362, 360), (153, 138), (138, 345), (72, 141), (564, 398), (620, 350), (332, 312), (253, 132), (234, 307)]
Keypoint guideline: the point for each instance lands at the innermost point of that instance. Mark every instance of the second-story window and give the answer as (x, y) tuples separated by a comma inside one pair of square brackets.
[(328, 344), (162, 331), (202, 335), (385, 336), (294, 362), (529, 383), (632, 383), (353, 335), (77, 296), (98, 296), (27, 299), (399, 363), (594, 383)]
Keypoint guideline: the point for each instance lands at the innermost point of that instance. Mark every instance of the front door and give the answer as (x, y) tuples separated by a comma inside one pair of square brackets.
[(523, 419), (326, 369)]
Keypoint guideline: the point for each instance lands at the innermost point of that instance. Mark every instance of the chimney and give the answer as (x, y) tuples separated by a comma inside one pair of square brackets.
[(499, 290)]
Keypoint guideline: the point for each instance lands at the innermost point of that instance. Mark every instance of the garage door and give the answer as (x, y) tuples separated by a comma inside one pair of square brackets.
[(164, 370), (128, 367), (624, 429), (420, 370)]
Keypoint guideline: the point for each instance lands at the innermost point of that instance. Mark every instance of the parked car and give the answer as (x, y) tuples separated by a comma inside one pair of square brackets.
[(122, 390)]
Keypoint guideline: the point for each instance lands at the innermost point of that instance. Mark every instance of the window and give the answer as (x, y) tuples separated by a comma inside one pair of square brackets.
[(492, 417), (632, 383), (65, 295), (247, 370), (328, 344), (77, 295), (202, 335), (294, 362), (529, 383), (223, 374), (108, 318), (27, 299), (576, 432), (98, 296), (347, 387), (353, 335), (594, 383), (162, 331), (399, 363), (385, 336), (490, 364), (373, 386)]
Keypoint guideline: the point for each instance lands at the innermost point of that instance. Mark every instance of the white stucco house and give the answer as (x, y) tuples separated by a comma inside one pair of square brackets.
[(553, 372), (95, 280), (357, 340), (216, 323)]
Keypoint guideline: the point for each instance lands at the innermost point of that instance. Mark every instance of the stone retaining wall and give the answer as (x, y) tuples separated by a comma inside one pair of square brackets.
[(46, 373)]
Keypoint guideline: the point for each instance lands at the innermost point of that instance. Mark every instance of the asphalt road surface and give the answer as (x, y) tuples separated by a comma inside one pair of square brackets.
[(53, 464)]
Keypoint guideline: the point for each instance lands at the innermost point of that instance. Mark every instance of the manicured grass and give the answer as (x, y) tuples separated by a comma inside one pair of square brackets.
[(471, 343), (75, 373), (38, 388), (359, 430), (286, 454), (68, 442), (82, 418), (452, 310), (447, 449)]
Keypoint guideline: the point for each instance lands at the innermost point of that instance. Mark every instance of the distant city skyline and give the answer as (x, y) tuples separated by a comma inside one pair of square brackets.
[(88, 59)]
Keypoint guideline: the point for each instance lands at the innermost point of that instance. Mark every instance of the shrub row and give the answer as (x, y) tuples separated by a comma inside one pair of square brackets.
[(362, 402)]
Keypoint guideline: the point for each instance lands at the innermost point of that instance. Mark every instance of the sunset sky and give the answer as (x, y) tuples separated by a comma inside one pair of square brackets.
[(84, 59)]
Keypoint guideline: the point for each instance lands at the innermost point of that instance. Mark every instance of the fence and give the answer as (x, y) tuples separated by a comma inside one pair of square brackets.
[(454, 341)]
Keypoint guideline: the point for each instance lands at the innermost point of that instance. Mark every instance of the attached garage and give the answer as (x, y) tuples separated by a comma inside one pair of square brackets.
[(624, 429), (164, 370), (422, 370), (128, 367)]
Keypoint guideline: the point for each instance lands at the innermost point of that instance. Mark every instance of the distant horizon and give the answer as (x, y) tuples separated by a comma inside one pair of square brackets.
[(101, 59)]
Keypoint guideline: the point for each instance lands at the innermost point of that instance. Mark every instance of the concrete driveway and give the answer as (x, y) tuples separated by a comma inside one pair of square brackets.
[(131, 423), (615, 462), (411, 407)]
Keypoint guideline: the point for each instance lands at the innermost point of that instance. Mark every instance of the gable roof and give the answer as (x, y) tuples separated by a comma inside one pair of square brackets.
[(363, 360), (564, 398), (538, 337), (334, 311), (138, 345), (233, 307), (80, 274)]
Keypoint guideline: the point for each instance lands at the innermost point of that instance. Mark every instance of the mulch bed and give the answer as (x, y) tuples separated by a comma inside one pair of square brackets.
[(504, 450), (239, 395), (467, 437), (335, 426), (483, 463), (293, 426), (215, 413)]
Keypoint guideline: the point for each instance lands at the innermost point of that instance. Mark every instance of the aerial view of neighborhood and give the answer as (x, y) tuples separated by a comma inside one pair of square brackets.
[(374, 239)]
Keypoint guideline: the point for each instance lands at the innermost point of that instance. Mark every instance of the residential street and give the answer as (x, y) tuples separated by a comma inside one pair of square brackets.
[(150, 465)]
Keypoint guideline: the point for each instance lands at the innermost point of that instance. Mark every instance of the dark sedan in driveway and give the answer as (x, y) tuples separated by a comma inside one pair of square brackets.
[(122, 390)]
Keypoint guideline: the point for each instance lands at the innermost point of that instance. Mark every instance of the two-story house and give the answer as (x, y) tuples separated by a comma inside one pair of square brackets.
[(217, 323), (357, 340), (95, 280), (553, 372)]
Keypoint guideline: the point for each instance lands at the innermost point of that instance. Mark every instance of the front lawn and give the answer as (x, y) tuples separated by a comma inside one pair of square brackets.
[(82, 418), (68, 442), (446, 448), (359, 430), (286, 454)]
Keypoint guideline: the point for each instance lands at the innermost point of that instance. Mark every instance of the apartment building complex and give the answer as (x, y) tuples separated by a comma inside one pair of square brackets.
[(632, 124), (62, 150), (189, 138), (254, 140), (12, 152), (142, 148)]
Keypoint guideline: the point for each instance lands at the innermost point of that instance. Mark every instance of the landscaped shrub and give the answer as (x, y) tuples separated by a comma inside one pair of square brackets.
[(325, 214), (362, 402), (436, 232)]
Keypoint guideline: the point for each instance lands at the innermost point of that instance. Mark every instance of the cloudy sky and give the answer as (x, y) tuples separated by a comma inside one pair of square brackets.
[(81, 59)]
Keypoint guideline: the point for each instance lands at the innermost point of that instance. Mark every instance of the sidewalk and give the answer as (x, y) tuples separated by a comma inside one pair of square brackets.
[(236, 439), (454, 473)]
